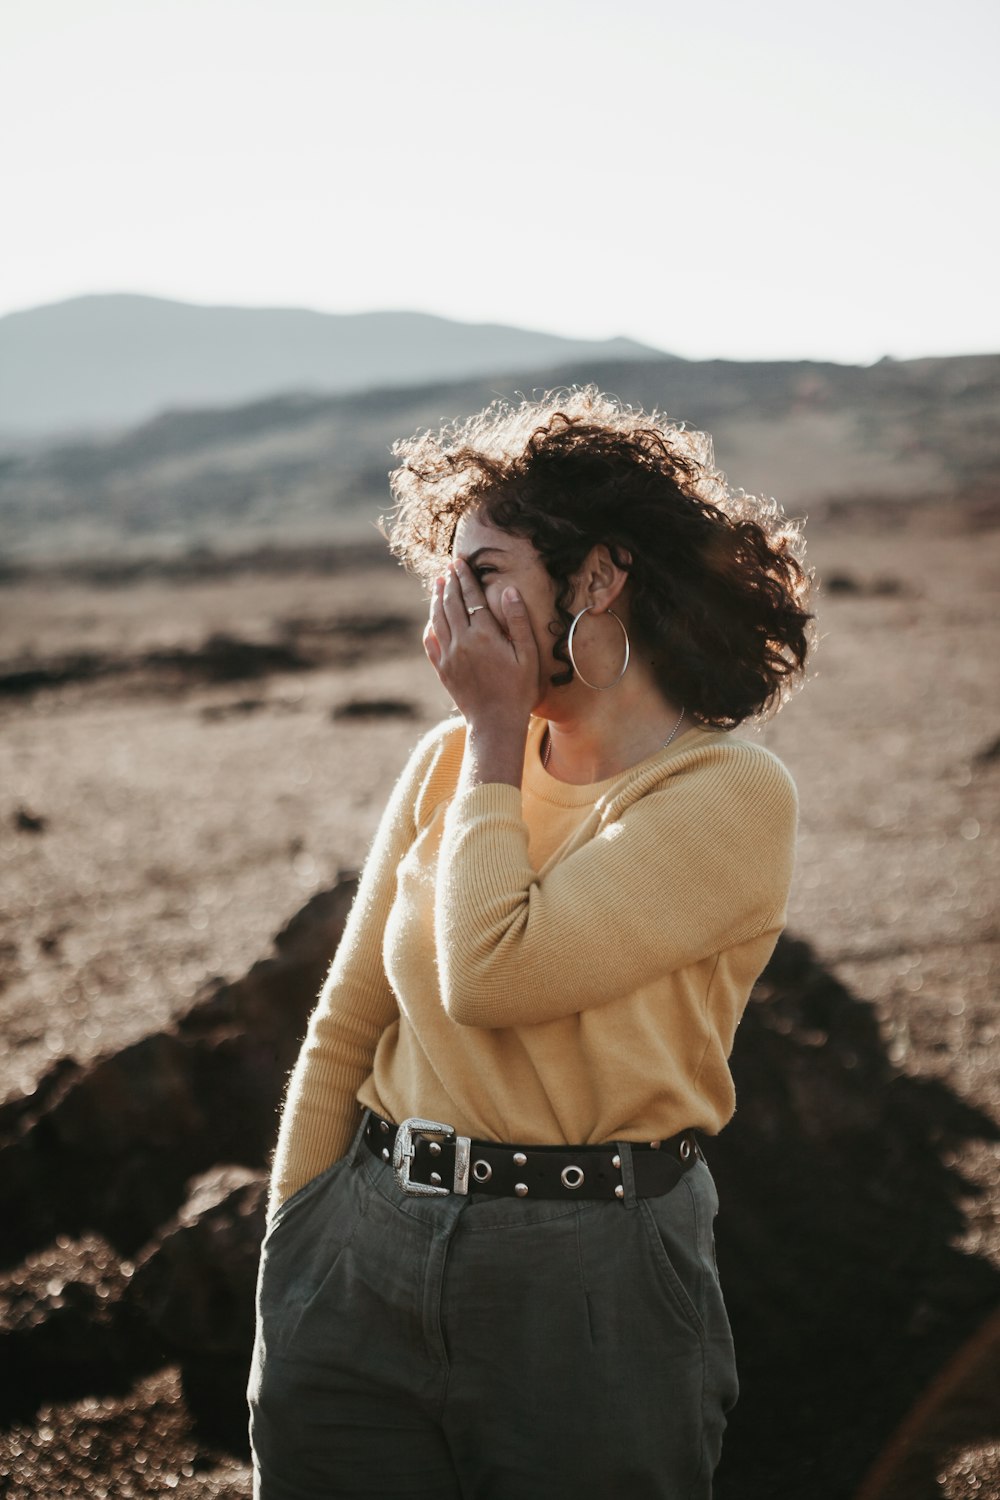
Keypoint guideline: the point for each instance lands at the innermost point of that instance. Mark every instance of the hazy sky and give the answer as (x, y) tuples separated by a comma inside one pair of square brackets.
[(751, 180)]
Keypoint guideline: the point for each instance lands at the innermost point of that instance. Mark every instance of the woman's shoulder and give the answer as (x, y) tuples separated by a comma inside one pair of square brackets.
[(746, 761), (722, 767)]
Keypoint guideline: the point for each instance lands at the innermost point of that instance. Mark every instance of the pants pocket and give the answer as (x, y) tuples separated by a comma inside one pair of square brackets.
[(305, 1240), (301, 1196), (722, 1382), (671, 1226)]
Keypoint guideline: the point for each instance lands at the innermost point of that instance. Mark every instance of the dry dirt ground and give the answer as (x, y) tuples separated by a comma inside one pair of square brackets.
[(156, 828)]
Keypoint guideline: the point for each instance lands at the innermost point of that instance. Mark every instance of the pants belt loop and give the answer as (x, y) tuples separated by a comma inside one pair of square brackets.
[(357, 1145), (624, 1149)]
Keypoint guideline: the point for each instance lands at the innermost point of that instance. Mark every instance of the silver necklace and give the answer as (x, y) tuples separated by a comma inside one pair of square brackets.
[(548, 739)]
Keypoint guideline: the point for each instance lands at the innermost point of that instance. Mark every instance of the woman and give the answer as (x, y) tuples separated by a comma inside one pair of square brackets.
[(489, 1269)]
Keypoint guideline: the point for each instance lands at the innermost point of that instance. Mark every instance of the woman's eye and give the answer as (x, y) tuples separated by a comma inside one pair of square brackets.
[(482, 570)]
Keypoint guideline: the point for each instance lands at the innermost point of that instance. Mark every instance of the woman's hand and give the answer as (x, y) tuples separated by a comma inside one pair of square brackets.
[(491, 671)]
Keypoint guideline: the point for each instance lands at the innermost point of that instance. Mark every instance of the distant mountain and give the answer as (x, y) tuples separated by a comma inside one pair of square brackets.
[(105, 362), (298, 469)]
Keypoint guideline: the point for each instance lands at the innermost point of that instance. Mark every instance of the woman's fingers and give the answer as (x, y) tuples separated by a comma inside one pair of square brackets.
[(518, 626), (431, 646), (472, 593), (439, 617), (454, 602)]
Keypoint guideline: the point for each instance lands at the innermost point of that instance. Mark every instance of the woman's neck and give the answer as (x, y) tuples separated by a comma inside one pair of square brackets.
[(589, 741)]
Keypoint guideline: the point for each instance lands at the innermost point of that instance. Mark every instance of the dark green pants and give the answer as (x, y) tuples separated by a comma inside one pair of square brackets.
[(488, 1348)]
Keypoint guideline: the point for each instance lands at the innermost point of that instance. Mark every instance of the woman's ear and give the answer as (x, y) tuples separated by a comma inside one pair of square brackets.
[(600, 580)]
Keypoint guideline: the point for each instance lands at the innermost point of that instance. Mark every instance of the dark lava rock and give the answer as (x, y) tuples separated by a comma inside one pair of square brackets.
[(110, 1148), (877, 588), (839, 1208), (26, 821), (64, 1327), (219, 658), (194, 1284), (375, 708), (883, 587), (228, 658), (194, 1287), (943, 1450), (77, 1320), (31, 677)]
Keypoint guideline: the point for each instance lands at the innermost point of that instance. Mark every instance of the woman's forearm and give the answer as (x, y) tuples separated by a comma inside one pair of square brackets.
[(494, 752)]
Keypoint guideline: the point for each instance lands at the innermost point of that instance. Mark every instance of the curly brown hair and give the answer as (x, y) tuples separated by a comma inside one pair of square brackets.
[(717, 585)]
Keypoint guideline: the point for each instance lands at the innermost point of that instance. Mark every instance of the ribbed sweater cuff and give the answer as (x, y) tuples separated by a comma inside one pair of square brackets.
[(496, 798)]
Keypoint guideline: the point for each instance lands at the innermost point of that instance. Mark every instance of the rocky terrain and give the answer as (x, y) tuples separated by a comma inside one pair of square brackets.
[(193, 760)]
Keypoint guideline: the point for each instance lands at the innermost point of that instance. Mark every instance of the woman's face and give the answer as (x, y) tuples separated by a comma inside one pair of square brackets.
[(501, 560)]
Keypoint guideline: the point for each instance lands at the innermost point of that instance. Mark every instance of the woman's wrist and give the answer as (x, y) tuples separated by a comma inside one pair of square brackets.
[(494, 752)]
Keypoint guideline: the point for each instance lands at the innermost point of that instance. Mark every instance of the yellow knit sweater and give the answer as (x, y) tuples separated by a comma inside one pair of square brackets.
[(560, 964)]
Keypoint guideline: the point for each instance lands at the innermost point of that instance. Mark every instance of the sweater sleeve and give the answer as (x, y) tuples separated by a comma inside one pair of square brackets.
[(698, 864), (355, 1006)]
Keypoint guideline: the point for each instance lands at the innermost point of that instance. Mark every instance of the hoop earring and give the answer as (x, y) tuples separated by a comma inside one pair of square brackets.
[(569, 647)]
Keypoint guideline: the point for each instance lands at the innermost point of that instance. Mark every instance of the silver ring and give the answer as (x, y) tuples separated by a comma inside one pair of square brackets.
[(472, 611)]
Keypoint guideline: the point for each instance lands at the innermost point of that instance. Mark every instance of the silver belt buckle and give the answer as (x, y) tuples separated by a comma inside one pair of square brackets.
[(403, 1151)]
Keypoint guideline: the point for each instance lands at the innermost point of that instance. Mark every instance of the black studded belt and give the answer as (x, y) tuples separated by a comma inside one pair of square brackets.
[(429, 1158)]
